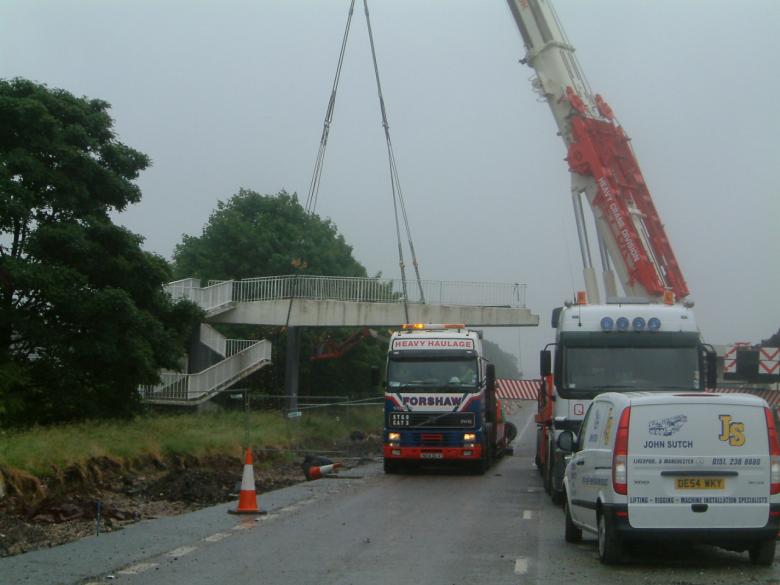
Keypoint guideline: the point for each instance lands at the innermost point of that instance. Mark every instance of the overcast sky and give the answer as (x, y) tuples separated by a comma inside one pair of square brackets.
[(232, 94)]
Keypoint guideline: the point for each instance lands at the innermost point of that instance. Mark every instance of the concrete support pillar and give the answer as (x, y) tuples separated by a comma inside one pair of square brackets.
[(291, 366)]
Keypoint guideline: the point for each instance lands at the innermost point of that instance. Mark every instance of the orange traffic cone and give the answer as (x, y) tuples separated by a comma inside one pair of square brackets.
[(317, 472), (247, 499)]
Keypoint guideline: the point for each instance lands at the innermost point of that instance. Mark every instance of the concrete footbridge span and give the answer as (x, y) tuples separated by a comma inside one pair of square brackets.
[(296, 301), (327, 301)]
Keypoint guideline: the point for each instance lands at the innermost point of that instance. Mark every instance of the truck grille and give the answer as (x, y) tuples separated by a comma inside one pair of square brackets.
[(458, 420)]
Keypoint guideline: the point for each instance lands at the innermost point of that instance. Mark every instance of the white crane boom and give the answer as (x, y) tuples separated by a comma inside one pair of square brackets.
[(603, 167)]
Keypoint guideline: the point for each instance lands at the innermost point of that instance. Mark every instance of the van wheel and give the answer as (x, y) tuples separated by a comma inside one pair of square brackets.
[(572, 533), (763, 552), (610, 547)]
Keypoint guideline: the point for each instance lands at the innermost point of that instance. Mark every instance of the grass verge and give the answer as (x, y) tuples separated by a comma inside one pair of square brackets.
[(40, 450)]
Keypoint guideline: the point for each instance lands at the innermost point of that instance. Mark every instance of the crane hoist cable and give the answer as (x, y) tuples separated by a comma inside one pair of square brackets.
[(314, 185), (394, 180), (395, 184)]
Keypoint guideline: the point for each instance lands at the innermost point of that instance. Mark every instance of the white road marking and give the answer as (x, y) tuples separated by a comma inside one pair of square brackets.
[(527, 514), (263, 518), (525, 428), (181, 551), (136, 569), (292, 508), (245, 525), (217, 537), (521, 566)]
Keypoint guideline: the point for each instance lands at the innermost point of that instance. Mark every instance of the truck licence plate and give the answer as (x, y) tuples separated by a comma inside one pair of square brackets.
[(431, 455), (700, 483)]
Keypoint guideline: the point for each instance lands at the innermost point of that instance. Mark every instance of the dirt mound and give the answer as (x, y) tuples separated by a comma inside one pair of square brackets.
[(202, 486), (39, 512)]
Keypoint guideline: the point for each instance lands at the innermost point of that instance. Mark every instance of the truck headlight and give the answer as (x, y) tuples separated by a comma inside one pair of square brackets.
[(469, 437), (393, 436)]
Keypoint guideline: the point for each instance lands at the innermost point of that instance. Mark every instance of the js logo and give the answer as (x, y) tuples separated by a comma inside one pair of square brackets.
[(733, 432)]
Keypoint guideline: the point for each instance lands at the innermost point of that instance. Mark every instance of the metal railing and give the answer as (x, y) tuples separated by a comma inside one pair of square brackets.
[(223, 346), (178, 388), (214, 296), (375, 290)]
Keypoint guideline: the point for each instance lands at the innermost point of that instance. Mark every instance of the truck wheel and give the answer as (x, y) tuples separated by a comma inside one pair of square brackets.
[(572, 533), (763, 552), (537, 459), (547, 471), (610, 547), (391, 466)]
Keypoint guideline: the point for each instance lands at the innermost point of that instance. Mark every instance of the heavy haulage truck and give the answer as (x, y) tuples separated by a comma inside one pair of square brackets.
[(440, 399)]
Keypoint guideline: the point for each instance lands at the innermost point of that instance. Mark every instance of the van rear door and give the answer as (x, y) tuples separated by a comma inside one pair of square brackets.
[(698, 462)]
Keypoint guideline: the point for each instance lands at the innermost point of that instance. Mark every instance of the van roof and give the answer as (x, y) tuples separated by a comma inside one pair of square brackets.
[(644, 398)]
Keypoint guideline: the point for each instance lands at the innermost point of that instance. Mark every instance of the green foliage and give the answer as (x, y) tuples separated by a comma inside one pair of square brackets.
[(40, 450), (254, 235), (83, 318), (261, 235), (506, 363)]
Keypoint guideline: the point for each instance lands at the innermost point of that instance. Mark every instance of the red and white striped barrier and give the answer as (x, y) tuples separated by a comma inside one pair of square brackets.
[(772, 397), (508, 389)]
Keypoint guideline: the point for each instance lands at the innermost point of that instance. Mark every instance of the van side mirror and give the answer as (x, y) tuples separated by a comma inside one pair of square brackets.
[(712, 369), (374, 376), (567, 442), (545, 362)]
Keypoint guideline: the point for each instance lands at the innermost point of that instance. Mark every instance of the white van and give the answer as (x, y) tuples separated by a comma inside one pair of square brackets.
[(697, 466)]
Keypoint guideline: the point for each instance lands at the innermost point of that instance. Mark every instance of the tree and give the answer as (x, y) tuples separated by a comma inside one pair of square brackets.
[(506, 363), (83, 317), (261, 235), (253, 235)]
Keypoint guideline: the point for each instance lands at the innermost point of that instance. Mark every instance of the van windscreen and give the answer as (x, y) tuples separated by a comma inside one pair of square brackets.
[(589, 369)]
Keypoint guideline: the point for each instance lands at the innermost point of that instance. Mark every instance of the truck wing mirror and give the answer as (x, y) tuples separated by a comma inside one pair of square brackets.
[(712, 369), (567, 442), (545, 362), (490, 393), (490, 377), (556, 315)]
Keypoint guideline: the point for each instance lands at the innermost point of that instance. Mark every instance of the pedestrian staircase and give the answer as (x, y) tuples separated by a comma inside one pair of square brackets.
[(242, 357)]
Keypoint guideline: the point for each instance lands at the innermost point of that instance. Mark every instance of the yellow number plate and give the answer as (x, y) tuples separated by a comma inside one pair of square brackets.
[(700, 483)]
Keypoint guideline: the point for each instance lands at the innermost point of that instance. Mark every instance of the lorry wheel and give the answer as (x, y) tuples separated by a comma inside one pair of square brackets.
[(610, 547), (547, 472), (763, 552), (391, 466), (572, 533), (557, 496)]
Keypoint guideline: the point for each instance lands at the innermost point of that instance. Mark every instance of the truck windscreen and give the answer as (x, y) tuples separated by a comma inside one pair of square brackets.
[(600, 369), (432, 375)]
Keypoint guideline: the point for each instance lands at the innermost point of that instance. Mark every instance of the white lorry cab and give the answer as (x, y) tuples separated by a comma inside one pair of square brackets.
[(692, 466), (620, 346)]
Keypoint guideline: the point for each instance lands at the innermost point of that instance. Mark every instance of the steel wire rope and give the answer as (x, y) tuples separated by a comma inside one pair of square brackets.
[(395, 182), (314, 185)]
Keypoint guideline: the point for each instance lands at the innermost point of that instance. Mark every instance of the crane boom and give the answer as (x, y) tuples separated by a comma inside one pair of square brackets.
[(602, 164)]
